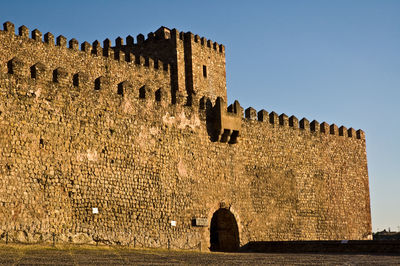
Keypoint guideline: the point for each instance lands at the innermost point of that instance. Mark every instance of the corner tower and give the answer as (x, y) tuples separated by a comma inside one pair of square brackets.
[(197, 64)]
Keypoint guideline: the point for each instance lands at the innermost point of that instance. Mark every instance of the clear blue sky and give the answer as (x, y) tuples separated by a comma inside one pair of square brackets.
[(334, 61)]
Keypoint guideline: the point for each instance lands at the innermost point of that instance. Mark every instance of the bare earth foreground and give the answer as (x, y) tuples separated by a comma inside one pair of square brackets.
[(13, 254)]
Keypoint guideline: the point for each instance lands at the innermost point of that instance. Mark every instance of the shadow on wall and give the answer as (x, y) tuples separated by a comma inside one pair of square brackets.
[(327, 246), (207, 107)]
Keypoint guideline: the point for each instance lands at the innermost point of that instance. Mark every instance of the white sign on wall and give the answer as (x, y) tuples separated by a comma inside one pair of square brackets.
[(173, 223), (95, 210)]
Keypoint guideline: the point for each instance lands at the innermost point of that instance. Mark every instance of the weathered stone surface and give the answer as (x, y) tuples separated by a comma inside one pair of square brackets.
[(36, 238), (82, 238), (137, 142), (21, 236)]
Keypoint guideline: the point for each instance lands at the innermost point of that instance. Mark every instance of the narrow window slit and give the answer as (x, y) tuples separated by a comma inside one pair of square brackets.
[(158, 95), (33, 72), (120, 90), (97, 84), (205, 71)]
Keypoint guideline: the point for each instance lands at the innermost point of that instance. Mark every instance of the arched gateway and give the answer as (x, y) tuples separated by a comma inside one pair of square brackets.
[(224, 233)]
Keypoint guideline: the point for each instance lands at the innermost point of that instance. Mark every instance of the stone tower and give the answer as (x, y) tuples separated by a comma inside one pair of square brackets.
[(197, 64)]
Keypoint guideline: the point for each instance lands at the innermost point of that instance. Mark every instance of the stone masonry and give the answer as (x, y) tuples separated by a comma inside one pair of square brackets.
[(134, 144)]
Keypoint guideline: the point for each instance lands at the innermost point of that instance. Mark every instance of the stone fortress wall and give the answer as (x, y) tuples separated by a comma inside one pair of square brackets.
[(140, 133)]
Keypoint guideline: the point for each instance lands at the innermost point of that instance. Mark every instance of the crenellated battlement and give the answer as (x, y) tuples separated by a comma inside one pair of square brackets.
[(95, 49), (164, 33), (292, 122)]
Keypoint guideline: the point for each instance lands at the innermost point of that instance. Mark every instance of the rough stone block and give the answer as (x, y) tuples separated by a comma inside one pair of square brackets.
[(96, 48), (86, 47), (293, 122), (49, 38), (273, 118), (9, 27), (283, 120), (343, 131), (315, 126), (23, 31), (251, 113), (304, 124), (351, 133), (334, 130), (61, 41), (36, 35), (324, 127), (73, 44), (263, 116), (360, 134)]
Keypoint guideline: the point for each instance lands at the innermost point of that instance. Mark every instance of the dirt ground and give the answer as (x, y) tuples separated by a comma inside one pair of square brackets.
[(13, 254)]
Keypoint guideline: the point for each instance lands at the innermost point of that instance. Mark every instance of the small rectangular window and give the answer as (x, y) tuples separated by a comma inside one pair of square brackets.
[(204, 71)]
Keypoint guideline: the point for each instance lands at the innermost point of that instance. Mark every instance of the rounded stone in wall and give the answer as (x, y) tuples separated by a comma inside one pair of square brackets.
[(82, 238), (21, 236), (36, 238), (62, 238)]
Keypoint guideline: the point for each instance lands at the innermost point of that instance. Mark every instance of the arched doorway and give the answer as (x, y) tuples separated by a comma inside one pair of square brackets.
[(224, 233)]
